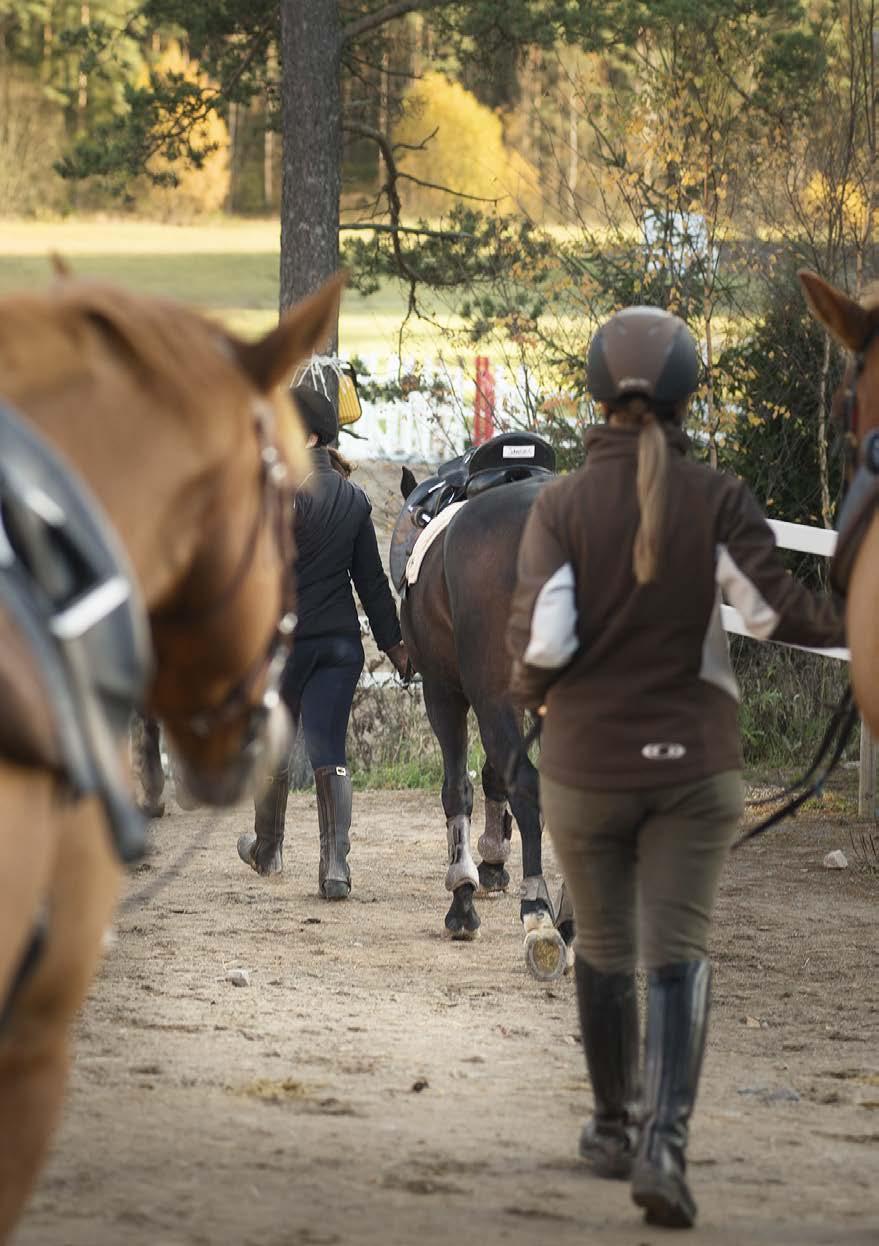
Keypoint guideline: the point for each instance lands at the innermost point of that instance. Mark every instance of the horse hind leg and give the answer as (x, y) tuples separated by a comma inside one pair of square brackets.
[(494, 842), (502, 739), (447, 711)]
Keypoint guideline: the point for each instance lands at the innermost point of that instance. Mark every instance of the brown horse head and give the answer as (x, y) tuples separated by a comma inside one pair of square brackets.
[(857, 403), (183, 435), (855, 327)]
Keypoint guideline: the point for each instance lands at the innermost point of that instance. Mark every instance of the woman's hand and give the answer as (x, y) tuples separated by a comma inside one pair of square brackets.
[(399, 656)]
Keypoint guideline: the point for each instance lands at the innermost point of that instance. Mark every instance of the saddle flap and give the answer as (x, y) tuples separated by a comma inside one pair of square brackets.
[(66, 583), (28, 728), (55, 533)]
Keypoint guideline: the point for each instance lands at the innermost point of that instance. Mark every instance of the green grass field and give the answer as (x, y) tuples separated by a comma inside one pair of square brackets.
[(229, 268)]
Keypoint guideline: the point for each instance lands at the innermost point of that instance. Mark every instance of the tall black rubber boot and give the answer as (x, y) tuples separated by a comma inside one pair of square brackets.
[(333, 785), (677, 1023), (608, 1005), (263, 850)]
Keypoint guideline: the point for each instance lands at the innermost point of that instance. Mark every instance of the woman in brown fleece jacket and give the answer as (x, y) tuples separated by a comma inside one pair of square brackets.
[(616, 631)]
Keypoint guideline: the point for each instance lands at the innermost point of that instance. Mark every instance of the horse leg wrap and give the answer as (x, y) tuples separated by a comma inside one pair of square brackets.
[(536, 906), (461, 865), (494, 842)]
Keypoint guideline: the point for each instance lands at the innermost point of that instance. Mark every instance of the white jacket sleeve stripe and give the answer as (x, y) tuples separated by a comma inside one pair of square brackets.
[(553, 639), (760, 618)]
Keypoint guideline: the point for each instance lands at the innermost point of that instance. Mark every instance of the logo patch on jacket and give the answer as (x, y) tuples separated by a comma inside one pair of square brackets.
[(663, 752)]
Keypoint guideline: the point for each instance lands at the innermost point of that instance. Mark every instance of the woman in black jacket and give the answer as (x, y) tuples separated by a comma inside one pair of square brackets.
[(335, 547)]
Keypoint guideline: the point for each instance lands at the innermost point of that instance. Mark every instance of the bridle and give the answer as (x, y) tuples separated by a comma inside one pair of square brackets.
[(275, 509), (850, 410)]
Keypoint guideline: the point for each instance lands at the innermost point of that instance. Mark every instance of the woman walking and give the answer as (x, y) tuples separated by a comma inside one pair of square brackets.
[(616, 635), (335, 547)]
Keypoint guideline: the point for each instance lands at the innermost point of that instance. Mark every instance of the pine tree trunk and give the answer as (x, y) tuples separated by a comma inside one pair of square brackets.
[(312, 155)]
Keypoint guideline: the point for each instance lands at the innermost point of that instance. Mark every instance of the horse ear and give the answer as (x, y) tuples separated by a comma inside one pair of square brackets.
[(845, 319), (305, 327), (60, 267), (407, 482)]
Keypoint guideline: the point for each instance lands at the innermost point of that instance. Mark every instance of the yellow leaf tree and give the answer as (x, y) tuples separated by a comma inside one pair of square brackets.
[(458, 144), (202, 189)]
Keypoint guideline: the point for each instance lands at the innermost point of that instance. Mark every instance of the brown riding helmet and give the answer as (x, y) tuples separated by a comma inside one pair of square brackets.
[(643, 351)]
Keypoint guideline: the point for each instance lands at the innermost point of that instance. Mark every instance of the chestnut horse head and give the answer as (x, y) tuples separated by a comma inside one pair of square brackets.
[(183, 435), (856, 327)]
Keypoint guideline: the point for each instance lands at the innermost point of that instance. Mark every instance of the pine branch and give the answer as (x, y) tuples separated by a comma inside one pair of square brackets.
[(372, 21), (382, 227)]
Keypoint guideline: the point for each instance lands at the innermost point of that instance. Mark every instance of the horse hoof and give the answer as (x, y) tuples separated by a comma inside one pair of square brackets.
[(462, 920), (493, 880), (462, 934), (152, 808), (546, 954), (537, 920), (335, 889), (247, 846), (184, 797)]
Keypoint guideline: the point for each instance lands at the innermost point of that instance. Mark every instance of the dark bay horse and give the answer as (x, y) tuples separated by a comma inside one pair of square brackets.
[(183, 442), (454, 621), (856, 566)]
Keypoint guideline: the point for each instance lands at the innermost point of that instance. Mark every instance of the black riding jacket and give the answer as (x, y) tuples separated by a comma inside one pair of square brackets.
[(335, 545)]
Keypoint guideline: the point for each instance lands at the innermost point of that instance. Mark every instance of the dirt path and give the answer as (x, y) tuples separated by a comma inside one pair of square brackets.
[(377, 1084)]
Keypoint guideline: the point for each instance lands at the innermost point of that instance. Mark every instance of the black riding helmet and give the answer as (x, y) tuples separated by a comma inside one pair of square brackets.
[(643, 351), (318, 414)]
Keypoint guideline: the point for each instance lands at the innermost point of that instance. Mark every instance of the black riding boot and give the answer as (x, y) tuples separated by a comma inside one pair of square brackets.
[(263, 850), (677, 1023), (334, 816), (608, 1007)]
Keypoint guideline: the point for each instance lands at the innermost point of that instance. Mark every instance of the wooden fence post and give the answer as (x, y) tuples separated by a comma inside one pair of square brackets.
[(867, 774)]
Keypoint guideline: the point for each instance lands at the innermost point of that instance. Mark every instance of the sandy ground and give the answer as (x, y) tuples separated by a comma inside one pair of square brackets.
[(376, 1083)]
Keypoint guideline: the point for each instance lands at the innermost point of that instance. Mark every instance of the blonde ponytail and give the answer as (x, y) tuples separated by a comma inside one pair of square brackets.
[(652, 479), (652, 489)]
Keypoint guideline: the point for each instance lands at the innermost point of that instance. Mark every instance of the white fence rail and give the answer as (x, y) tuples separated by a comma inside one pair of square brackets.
[(792, 536)]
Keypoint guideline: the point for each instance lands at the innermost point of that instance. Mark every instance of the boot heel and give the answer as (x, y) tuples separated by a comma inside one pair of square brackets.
[(664, 1198), (609, 1157)]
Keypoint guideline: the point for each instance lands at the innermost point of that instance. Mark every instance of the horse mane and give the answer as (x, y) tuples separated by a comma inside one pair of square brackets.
[(49, 338)]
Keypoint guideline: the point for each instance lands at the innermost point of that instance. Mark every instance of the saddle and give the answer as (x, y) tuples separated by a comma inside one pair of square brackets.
[(858, 509), (75, 653), (505, 459)]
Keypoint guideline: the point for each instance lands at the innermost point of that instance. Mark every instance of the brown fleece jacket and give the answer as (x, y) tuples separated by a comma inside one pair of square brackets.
[(636, 678)]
